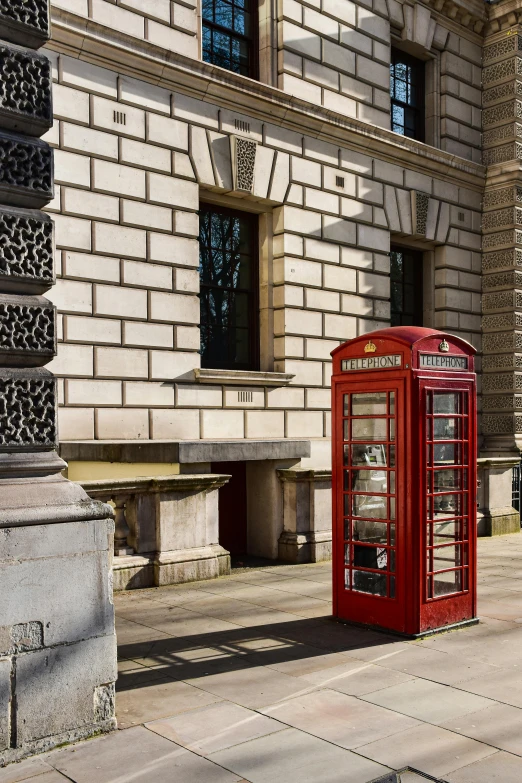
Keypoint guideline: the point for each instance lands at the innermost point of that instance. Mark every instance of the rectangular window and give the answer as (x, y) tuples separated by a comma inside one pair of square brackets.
[(406, 287), (228, 268), (407, 95), (229, 35)]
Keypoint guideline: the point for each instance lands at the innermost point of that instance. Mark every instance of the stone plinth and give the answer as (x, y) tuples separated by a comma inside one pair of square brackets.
[(172, 528), (307, 515), (496, 516)]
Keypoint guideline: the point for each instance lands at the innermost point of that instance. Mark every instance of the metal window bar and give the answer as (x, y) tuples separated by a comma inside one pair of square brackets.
[(516, 489)]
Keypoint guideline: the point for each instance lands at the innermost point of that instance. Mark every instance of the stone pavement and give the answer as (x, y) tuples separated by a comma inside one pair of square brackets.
[(246, 679)]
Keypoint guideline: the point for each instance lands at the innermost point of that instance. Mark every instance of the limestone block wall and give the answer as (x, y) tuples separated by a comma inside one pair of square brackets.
[(132, 162)]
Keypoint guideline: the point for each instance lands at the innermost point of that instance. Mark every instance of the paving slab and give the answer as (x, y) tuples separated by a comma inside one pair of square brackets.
[(254, 687), (32, 769), (159, 699), (214, 728), (292, 756), (429, 749), (136, 755), (498, 768), (338, 718), (428, 701), (499, 726), (504, 685), (356, 678)]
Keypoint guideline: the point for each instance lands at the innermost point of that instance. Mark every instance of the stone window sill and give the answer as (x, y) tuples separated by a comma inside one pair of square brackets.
[(242, 377)]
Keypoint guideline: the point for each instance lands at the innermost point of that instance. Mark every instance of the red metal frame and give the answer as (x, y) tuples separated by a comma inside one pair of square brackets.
[(439, 524)]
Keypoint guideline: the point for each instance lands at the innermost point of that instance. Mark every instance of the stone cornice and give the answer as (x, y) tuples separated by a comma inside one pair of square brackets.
[(502, 15), (92, 42), (471, 14)]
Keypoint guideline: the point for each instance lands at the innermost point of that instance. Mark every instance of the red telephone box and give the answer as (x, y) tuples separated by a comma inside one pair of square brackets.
[(404, 480)]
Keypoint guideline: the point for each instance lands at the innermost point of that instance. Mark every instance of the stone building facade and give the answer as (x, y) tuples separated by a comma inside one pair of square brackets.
[(301, 140)]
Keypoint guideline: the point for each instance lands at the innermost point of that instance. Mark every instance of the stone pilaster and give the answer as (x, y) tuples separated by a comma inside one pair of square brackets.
[(57, 643)]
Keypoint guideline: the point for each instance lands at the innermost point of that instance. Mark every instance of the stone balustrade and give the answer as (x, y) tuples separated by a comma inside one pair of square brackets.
[(166, 528)]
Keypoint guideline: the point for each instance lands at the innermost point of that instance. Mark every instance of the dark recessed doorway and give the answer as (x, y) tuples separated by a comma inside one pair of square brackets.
[(233, 507)]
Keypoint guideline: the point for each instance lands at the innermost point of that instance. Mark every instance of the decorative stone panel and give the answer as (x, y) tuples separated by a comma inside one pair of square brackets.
[(502, 425), (500, 197), (27, 331), (498, 218), (243, 163), (503, 133), (26, 250), (502, 92), (502, 70), (503, 321), (491, 402), (502, 381), (27, 410), (498, 115), (501, 259), (26, 171), (25, 91), (25, 22), (419, 210), (501, 300), (512, 279), (502, 154), (502, 238), (502, 342), (501, 361), (506, 46)]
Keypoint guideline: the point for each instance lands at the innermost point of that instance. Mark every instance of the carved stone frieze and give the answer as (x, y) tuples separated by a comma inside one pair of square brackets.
[(25, 91), (502, 92), (511, 151), (501, 238), (27, 330), (502, 321), (511, 279), (501, 361), (25, 22), (501, 402), (501, 259), (26, 171), (501, 425), (502, 70), (501, 300), (26, 250), (502, 381), (27, 410), (499, 197), (502, 217), (504, 112), (244, 161), (502, 342), (504, 47)]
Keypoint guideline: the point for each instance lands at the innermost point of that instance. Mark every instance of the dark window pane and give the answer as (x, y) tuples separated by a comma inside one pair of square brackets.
[(407, 94), (406, 287), (228, 298), (231, 44)]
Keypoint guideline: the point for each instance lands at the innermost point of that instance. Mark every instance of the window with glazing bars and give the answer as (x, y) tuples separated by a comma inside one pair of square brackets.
[(229, 35), (406, 287), (407, 95), (229, 307)]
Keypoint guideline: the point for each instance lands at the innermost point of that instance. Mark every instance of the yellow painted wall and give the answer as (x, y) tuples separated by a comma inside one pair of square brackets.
[(90, 471)]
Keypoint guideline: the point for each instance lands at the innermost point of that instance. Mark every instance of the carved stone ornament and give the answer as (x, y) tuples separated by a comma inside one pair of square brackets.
[(27, 331), (511, 151), (26, 171), (26, 250), (502, 425), (502, 381), (502, 70), (501, 402), (244, 160), (511, 279), (25, 91), (502, 259), (27, 410), (504, 112), (501, 342), (506, 46), (419, 209), (25, 22)]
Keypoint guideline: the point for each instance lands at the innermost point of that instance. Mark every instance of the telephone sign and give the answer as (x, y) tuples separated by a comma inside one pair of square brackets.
[(404, 480)]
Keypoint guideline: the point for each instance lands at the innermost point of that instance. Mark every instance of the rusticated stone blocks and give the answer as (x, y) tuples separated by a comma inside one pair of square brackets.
[(27, 331), (25, 22), (26, 250), (26, 171), (27, 410), (25, 91)]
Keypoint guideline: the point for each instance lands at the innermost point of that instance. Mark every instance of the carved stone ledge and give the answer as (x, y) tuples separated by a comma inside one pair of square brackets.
[(25, 22), (25, 91), (27, 331), (26, 171), (26, 251), (27, 410)]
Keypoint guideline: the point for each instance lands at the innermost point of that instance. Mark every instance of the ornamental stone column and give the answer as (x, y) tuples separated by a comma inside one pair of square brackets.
[(57, 643), (502, 275)]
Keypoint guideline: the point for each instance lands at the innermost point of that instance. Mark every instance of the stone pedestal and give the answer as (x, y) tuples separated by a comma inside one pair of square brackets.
[(307, 515), (496, 516), (173, 528)]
